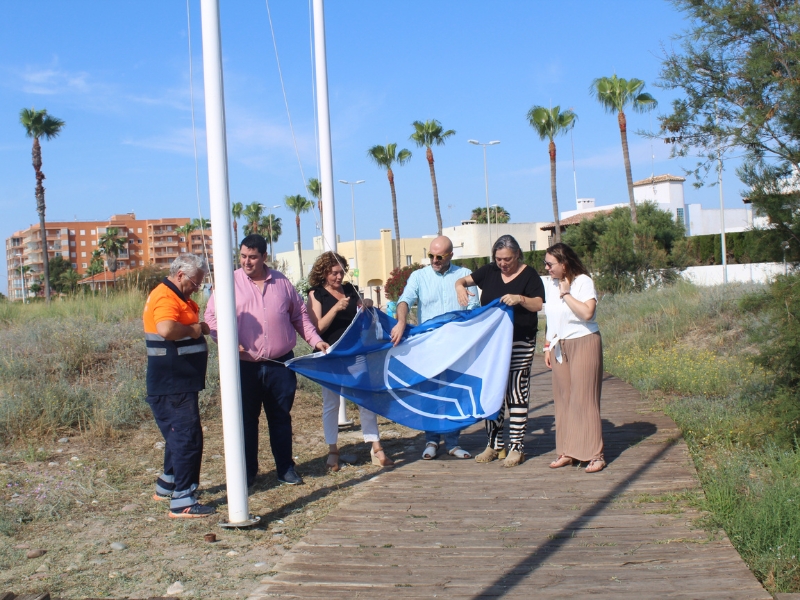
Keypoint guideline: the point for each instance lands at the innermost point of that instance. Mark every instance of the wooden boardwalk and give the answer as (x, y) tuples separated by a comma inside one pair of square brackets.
[(452, 528)]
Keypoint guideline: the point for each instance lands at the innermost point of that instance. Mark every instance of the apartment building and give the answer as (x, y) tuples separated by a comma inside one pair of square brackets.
[(149, 242)]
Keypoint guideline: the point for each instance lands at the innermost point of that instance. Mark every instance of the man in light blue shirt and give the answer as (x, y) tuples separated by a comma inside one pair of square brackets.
[(433, 288)]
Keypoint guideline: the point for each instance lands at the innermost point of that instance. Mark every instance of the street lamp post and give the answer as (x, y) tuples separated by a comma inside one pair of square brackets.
[(352, 184), (496, 222), (271, 248), (486, 180)]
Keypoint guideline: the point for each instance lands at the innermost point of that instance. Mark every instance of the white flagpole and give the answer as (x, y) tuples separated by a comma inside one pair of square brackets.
[(324, 120), (228, 339), (325, 153)]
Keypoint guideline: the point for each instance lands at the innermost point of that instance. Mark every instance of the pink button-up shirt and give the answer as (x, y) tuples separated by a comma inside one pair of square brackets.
[(266, 320)]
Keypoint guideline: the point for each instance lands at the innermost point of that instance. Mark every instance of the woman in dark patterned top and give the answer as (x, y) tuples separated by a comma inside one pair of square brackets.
[(517, 285), (332, 306)]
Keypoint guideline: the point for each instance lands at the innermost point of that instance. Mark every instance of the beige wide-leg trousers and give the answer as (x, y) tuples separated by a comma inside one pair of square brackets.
[(577, 382)]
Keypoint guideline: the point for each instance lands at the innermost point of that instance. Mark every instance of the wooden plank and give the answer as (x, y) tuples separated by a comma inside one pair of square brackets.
[(458, 529)]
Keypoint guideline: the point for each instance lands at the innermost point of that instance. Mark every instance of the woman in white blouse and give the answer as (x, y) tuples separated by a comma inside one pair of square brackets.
[(574, 351)]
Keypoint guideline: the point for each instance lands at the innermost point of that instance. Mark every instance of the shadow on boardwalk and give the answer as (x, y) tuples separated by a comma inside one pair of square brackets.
[(453, 528)]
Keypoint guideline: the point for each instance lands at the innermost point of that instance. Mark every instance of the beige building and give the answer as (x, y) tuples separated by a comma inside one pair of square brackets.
[(149, 242), (376, 257)]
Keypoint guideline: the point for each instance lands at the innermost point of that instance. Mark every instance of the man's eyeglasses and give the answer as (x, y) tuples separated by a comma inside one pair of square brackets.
[(195, 285), (438, 256)]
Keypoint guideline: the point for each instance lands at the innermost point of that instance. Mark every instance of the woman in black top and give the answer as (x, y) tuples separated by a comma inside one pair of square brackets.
[(519, 286), (332, 306)]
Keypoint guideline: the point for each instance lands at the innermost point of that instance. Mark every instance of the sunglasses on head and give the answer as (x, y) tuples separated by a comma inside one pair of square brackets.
[(438, 256)]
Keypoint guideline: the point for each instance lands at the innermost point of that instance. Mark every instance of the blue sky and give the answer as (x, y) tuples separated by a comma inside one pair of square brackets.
[(118, 74)]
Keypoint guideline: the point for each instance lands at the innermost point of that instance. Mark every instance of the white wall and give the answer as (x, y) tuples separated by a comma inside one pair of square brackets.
[(475, 239), (749, 273)]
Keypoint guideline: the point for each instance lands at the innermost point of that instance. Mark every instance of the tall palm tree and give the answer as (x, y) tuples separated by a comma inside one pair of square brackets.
[(315, 190), (38, 124), (202, 225), (236, 211), (298, 205), (252, 214), (548, 123), (111, 245), (96, 264), (385, 157), (270, 228), (614, 94), (425, 135)]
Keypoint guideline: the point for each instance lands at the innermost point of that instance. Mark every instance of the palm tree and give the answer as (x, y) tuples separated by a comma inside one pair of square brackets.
[(236, 211), (385, 157), (37, 124), (548, 123), (428, 134), (111, 245), (271, 229), (614, 94), (186, 231), (298, 205), (96, 264), (315, 190), (69, 280), (498, 215), (252, 213)]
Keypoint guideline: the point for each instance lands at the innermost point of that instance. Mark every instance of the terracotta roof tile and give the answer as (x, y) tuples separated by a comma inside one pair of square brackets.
[(658, 179)]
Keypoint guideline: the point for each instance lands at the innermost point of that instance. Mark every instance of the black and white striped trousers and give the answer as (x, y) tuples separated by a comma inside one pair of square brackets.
[(516, 399)]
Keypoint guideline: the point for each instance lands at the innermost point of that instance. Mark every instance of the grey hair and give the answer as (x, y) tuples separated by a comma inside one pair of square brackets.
[(507, 241), (190, 264)]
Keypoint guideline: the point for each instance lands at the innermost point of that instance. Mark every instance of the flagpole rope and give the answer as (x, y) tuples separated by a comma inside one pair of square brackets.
[(194, 142)]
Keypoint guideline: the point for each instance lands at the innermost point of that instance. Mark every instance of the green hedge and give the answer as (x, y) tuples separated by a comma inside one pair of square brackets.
[(753, 246)]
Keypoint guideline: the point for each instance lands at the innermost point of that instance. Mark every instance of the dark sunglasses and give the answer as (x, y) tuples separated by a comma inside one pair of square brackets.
[(437, 256), (549, 264)]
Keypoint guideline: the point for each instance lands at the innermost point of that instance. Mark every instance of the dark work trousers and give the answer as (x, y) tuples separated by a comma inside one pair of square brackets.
[(272, 386), (178, 418)]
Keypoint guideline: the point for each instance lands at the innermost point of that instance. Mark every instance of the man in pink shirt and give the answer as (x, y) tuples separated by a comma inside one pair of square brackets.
[(268, 311)]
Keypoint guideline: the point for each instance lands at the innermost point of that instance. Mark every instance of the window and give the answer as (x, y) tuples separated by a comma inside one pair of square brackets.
[(94, 243), (72, 232), (679, 215), (84, 265), (83, 232), (183, 249), (169, 238), (533, 246), (73, 254), (91, 232), (83, 254), (139, 241), (72, 243), (169, 228), (408, 260), (83, 242), (183, 239), (74, 265)]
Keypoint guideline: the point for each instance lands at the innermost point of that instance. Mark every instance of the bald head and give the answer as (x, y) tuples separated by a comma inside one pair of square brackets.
[(442, 248)]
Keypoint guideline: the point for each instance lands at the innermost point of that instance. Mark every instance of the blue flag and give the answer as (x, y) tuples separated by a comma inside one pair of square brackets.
[(446, 374)]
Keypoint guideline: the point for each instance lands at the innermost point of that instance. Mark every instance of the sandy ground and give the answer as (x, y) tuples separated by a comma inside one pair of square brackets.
[(88, 503)]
